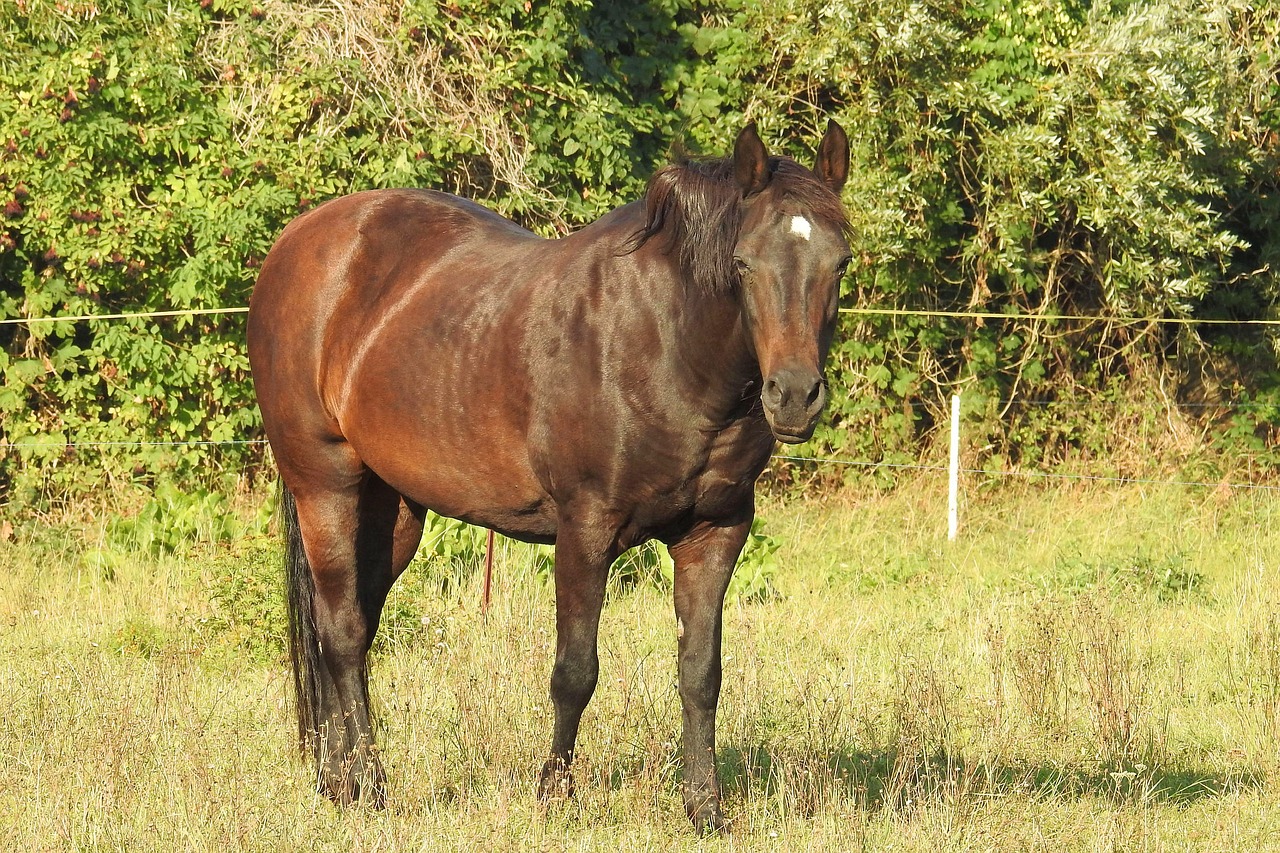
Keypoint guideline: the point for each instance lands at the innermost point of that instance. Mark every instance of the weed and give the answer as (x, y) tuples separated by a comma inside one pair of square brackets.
[(896, 569), (1262, 649), (1040, 657), (1113, 679), (246, 602), (449, 541), (173, 521), (922, 730), (1167, 577), (754, 579), (649, 565), (139, 636)]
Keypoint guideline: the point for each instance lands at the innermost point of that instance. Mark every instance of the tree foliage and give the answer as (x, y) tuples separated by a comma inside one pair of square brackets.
[(1031, 159)]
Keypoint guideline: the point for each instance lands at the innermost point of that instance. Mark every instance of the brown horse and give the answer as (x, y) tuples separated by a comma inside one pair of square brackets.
[(412, 350)]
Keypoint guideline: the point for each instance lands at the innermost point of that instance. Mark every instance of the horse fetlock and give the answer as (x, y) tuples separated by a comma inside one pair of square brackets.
[(556, 781), (351, 777), (347, 789)]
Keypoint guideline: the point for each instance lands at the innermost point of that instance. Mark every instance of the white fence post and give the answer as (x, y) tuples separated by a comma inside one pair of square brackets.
[(953, 485)]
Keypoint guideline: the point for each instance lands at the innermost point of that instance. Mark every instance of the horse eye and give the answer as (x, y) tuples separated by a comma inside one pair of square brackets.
[(843, 267), (741, 266)]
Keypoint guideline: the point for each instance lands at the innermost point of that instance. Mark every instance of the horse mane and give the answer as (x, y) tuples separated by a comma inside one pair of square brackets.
[(697, 206)]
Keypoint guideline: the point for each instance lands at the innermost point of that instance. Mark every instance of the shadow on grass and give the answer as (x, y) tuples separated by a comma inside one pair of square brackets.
[(902, 779)]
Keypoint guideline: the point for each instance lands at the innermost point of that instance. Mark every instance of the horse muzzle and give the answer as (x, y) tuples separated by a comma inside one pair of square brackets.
[(793, 399)]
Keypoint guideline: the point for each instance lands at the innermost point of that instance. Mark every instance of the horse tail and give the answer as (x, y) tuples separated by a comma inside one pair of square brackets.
[(304, 643)]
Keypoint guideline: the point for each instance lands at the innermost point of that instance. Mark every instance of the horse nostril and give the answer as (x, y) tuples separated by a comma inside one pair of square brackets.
[(773, 394), (814, 394)]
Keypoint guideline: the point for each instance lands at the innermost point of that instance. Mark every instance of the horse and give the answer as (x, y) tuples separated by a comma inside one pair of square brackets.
[(413, 350)]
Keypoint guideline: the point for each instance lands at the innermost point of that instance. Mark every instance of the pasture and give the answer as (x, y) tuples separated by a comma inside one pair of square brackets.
[(1087, 668)]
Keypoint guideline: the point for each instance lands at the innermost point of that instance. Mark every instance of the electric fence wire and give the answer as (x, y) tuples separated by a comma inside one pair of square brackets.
[(866, 311), (894, 312)]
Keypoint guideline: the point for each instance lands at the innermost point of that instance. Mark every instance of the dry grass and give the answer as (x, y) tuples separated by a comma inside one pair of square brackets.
[(1088, 670)]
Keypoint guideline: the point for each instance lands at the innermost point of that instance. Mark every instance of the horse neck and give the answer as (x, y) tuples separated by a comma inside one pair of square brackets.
[(713, 346), (713, 355)]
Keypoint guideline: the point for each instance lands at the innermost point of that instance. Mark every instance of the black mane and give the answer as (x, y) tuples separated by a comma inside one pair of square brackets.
[(697, 205)]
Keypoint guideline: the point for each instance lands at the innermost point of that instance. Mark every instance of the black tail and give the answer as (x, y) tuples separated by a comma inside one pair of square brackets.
[(304, 644)]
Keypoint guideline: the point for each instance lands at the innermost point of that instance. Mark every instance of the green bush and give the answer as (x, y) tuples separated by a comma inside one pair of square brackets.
[(123, 194)]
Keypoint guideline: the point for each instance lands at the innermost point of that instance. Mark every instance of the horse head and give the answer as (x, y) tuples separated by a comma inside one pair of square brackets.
[(791, 252)]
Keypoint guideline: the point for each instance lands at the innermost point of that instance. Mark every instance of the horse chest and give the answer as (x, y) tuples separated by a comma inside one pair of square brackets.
[(734, 462), (715, 481)]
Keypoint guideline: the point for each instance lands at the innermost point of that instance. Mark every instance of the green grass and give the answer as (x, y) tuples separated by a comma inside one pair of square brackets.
[(1086, 668)]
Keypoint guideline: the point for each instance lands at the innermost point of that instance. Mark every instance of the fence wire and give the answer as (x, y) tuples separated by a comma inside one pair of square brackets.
[(137, 315), (982, 472), (871, 311), (806, 460)]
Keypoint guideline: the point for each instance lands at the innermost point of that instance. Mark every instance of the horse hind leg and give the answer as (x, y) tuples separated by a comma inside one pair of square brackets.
[(328, 639), (346, 549)]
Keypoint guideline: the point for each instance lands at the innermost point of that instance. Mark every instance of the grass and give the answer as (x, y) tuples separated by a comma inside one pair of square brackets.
[(1085, 669)]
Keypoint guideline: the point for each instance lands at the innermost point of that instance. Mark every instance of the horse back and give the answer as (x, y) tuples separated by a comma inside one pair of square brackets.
[(348, 256)]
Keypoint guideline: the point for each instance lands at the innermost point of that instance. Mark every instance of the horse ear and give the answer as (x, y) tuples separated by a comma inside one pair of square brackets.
[(750, 162), (832, 167)]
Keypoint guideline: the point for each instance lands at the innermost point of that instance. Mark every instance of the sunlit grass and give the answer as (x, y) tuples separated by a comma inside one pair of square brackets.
[(1084, 669)]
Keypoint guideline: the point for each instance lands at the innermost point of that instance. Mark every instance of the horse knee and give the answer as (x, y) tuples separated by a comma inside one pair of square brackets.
[(573, 681), (700, 677)]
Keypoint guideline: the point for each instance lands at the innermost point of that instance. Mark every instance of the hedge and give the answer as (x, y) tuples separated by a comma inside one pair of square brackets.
[(1117, 161)]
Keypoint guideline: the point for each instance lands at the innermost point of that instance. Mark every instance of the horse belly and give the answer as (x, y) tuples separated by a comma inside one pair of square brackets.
[(471, 467)]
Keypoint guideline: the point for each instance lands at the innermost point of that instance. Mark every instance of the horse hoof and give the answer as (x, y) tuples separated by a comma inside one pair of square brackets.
[(373, 796), (710, 822), (367, 788), (556, 782)]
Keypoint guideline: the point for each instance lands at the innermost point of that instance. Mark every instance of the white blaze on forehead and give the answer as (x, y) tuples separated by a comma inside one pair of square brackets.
[(801, 227)]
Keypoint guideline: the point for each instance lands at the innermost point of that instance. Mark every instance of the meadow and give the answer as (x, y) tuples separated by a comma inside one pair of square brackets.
[(1088, 667)]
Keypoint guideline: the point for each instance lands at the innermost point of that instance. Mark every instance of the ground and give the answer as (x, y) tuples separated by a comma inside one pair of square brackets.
[(1086, 668)]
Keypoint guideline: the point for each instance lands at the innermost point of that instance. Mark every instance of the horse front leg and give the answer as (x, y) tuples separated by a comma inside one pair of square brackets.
[(581, 570), (704, 562)]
